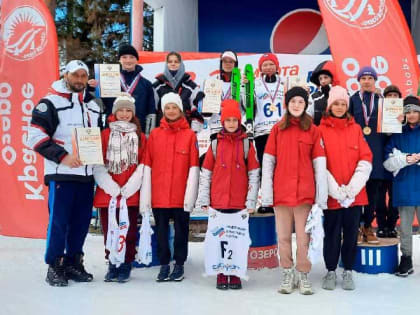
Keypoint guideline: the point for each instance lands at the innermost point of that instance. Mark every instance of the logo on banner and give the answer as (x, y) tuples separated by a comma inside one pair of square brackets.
[(358, 13), (289, 36), (24, 33)]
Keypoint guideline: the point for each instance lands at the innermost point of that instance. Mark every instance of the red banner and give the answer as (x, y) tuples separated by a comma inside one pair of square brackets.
[(28, 66), (375, 33)]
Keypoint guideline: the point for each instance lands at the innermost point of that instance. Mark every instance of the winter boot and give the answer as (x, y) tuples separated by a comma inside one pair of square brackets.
[(330, 280), (124, 272), (56, 274), (405, 267), (112, 273), (163, 273), (177, 273), (348, 283), (76, 271), (288, 283), (265, 210), (235, 283), (382, 233), (369, 235), (392, 233), (304, 285), (222, 282)]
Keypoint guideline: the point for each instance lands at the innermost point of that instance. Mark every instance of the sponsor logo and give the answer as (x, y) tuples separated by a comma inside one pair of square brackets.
[(358, 13), (24, 33), (218, 231)]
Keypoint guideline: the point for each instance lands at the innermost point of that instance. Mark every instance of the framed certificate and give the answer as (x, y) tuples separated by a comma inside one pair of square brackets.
[(389, 110), (87, 145), (213, 99), (108, 76)]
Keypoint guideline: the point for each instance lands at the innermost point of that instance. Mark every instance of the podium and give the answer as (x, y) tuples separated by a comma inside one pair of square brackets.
[(263, 252), (377, 258)]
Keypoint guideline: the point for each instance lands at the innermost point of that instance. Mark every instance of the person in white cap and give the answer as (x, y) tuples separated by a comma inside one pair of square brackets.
[(170, 183), (70, 183)]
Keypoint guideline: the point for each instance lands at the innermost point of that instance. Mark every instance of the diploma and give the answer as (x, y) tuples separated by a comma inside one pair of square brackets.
[(389, 110), (213, 91), (87, 145), (108, 76)]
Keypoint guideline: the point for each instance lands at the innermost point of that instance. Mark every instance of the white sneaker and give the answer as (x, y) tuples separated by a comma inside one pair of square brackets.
[(288, 282), (304, 285), (329, 281), (348, 283)]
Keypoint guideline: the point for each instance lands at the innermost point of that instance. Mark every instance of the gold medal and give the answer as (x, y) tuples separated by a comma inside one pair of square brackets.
[(367, 131), (273, 107)]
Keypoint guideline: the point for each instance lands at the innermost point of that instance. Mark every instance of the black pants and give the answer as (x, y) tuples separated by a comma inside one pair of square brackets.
[(389, 217), (260, 143), (343, 221), (376, 191), (181, 225)]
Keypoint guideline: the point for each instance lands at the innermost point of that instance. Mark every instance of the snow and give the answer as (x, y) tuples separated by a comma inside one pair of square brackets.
[(23, 289)]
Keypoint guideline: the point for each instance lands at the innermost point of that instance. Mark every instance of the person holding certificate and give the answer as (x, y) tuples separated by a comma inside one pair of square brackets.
[(66, 107), (403, 160), (364, 108), (136, 85), (123, 147)]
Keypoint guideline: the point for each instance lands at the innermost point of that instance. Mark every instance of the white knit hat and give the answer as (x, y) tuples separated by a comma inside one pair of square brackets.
[(171, 98), (125, 100)]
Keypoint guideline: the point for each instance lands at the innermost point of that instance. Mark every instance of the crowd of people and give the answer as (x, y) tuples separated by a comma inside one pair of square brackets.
[(321, 149)]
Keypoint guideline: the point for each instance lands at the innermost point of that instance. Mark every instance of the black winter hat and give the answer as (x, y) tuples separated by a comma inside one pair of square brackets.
[(411, 100), (297, 91), (127, 49), (392, 88)]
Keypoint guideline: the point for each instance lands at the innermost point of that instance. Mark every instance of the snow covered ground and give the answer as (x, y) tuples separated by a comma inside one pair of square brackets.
[(24, 291)]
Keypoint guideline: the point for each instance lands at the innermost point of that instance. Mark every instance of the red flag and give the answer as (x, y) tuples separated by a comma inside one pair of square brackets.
[(28, 66), (375, 33)]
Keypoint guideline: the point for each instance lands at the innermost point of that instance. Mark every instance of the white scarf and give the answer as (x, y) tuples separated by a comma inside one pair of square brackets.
[(144, 254), (122, 147), (117, 233), (315, 228)]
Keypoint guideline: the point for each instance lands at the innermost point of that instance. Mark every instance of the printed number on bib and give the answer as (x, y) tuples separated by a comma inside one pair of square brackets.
[(269, 109), (223, 245)]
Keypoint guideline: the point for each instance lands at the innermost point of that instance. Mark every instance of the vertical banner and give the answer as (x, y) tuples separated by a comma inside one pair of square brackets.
[(28, 66), (375, 33)]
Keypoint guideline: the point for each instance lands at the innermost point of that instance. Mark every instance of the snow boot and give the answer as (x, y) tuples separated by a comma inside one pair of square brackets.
[(222, 282), (303, 283), (56, 276), (348, 283), (112, 273), (382, 233), (76, 271), (369, 235), (235, 283), (330, 281), (288, 283), (124, 272), (177, 273), (163, 273), (392, 233), (405, 267)]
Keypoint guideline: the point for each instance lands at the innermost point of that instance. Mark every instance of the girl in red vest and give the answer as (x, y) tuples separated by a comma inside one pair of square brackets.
[(229, 181), (170, 183), (349, 163), (293, 179), (123, 146)]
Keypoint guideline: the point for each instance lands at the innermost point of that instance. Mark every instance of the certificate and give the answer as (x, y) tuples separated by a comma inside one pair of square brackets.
[(389, 110), (87, 145), (108, 76), (295, 80), (213, 91)]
